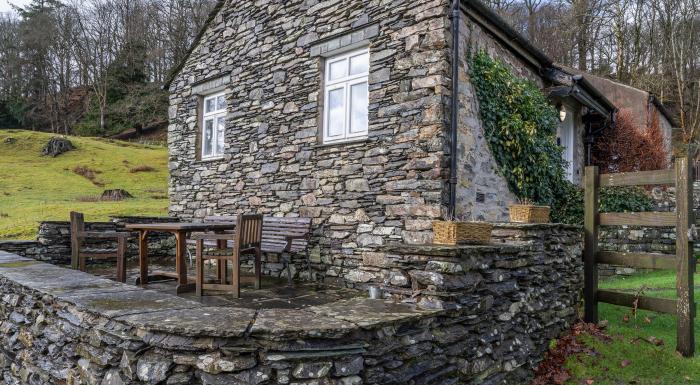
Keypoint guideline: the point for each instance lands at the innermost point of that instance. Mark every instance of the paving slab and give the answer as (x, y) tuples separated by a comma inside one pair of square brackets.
[(367, 312), (291, 323), (203, 321), (130, 302), (6, 257), (61, 282)]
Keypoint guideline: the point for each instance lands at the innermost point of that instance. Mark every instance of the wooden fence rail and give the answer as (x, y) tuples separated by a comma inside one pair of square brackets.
[(681, 176)]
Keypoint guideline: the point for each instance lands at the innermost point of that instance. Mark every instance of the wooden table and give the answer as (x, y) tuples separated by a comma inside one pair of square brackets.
[(181, 230)]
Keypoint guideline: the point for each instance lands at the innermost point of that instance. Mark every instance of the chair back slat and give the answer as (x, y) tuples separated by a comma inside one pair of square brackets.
[(77, 226), (249, 230)]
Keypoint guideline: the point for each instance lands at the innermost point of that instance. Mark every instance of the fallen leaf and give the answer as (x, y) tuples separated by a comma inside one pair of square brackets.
[(625, 363), (655, 341), (589, 381), (626, 318), (647, 320), (561, 378)]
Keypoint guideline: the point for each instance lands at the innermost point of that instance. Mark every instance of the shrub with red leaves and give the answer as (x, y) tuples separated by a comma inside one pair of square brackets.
[(628, 148), (551, 370)]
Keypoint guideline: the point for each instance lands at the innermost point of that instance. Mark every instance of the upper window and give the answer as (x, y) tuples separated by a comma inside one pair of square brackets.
[(213, 126), (346, 97)]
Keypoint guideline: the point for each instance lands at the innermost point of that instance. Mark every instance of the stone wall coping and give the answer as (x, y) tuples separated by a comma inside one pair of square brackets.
[(536, 226), (159, 218), (18, 242), (117, 218), (154, 311), (450, 250)]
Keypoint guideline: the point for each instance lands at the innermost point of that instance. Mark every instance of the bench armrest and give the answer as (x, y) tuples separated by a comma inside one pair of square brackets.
[(291, 238), (103, 234), (212, 236)]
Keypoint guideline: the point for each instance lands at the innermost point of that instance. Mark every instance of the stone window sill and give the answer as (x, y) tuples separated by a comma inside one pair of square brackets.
[(340, 144), (211, 160)]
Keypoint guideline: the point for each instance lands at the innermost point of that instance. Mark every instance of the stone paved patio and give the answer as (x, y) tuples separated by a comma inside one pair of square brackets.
[(275, 293)]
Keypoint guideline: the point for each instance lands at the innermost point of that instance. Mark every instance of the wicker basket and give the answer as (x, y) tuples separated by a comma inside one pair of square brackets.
[(529, 214), (452, 233)]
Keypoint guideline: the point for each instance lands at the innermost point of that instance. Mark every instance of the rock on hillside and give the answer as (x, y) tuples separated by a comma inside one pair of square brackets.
[(57, 146)]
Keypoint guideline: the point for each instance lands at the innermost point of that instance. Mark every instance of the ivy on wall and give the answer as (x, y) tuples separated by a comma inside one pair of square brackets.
[(569, 207), (520, 126)]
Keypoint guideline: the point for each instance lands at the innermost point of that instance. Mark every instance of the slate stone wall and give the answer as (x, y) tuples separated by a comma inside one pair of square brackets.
[(482, 194), (360, 195), (473, 315), (52, 243)]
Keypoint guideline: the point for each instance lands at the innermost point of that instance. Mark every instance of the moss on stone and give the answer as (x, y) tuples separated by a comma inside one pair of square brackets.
[(11, 265)]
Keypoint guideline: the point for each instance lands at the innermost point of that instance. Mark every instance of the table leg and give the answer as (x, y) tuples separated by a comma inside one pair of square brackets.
[(221, 264), (143, 257), (180, 263), (236, 274)]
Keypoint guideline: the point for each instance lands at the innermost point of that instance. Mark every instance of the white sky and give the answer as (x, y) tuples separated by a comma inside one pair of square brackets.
[(5, 4)]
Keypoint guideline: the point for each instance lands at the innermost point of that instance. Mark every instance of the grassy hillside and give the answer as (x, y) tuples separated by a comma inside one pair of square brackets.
[(35, 188)]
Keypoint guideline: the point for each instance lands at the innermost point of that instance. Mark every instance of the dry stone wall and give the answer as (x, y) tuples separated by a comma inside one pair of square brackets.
[(52, 243), (473, 315)]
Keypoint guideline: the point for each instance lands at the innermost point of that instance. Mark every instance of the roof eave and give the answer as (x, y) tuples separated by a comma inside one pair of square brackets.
[(664, 111)]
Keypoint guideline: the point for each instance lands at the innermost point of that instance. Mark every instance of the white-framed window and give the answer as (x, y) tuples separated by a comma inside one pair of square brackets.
[(346, 97), (213, 126)]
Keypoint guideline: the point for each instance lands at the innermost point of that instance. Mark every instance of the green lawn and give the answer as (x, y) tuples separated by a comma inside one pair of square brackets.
[(34, 188), (630, 358)]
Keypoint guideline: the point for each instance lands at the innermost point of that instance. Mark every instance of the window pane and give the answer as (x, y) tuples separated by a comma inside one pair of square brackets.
[(208, 137), (359, 64), (221, 103), (336, 112), (337, 70), (209, 105), (220, 135), (359, 105)]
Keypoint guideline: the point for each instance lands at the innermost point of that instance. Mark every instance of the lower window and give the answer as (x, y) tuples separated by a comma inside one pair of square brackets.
[(213, 126)]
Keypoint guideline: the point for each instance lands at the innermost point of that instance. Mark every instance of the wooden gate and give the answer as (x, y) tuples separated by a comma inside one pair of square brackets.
[(681, 176)]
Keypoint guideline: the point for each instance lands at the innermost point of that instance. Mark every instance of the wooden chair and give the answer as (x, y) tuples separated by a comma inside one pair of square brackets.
[(79, 251), (246, 239), (283, 236)]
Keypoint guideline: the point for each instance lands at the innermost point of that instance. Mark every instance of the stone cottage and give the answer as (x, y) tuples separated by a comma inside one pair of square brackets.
[(342, 111)]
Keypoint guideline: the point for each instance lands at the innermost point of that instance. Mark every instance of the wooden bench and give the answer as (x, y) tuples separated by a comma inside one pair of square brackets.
[(79, 253), (280, 235)]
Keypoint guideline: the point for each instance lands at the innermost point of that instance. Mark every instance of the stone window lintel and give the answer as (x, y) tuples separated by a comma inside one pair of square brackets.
[(345, 41), (211, 85)]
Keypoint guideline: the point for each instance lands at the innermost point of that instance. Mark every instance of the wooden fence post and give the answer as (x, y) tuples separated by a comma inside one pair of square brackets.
[(685, 333), (590, 245)]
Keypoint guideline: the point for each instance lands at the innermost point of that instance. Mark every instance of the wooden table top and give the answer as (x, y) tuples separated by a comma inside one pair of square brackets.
[(181, 226)]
